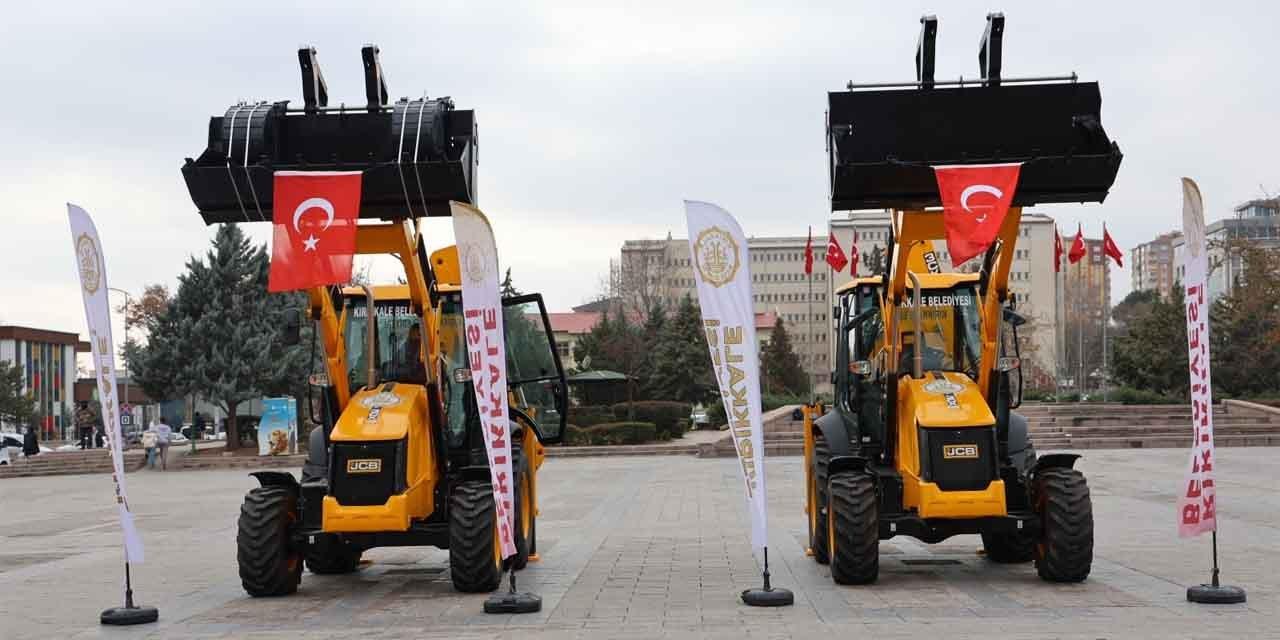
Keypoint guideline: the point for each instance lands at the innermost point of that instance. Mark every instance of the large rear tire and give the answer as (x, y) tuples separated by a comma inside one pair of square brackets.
[(1009, 548), (853, 528), (329, 555), (474, 561), (818, 519), (269, 565), (1064, 552)]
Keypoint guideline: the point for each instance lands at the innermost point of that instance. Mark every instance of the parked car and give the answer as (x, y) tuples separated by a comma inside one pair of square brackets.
[(698, 418), (11, 444)]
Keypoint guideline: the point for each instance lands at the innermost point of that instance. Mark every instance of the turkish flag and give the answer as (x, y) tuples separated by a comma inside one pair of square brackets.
[(853, 255), (1077, 247), (314, 240), (808, 254), (1109, 247), (975, 199), (835, 255), (1057, 249)]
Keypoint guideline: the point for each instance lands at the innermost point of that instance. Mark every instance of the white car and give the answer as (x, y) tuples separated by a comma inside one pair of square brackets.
[(11, 447)]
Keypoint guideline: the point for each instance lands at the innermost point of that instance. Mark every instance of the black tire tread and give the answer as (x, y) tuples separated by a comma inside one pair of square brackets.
[(1065, 552), (856, 527), (262, 543), (471, 521), (821, 460)]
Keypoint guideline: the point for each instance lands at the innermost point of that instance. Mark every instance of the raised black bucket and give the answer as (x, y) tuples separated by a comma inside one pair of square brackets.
[(884, 142), (416, 155)]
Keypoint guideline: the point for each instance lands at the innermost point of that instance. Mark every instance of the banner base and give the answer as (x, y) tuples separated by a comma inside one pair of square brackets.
[(123, 616), (1215, 594), (768, 597), (513, 601)]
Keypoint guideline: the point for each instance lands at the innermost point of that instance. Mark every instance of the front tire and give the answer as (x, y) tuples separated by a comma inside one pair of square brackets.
[(1064, 552), (853, 528), (269, 565), (474, 555), (818, 519)]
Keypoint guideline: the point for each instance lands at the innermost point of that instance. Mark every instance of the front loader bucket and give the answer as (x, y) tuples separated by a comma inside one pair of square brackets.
[(883, 143), (416, 155)]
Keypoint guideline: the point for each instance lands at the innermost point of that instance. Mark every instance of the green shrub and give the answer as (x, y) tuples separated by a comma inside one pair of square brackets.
[(664, 415), (590, 415), (575, 435), (623, 433), (610, 433), (1129, 395)]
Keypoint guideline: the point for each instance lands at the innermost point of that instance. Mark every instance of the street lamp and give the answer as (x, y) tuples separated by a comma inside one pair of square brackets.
[(127, 303)]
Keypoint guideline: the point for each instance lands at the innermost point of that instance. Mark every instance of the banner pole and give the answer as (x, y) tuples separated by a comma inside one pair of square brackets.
[(813, 383)]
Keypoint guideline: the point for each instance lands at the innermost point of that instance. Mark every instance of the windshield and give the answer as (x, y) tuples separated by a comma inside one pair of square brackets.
[(453, 348), (398, 341), (950, 331)]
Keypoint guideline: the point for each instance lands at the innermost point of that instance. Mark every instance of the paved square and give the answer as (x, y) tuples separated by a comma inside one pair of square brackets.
[(646, 548)]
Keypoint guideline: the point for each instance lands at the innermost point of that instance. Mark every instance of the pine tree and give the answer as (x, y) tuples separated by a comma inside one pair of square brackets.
[(682, 363), (780, 364), (652, 331), (16, 408), (219, 337), (1153, 355)]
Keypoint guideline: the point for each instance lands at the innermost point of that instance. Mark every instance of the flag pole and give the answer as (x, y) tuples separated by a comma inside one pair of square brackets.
[(813, 383)]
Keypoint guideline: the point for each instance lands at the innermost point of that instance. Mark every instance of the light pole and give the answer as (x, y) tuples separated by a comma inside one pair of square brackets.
[(127, 303)]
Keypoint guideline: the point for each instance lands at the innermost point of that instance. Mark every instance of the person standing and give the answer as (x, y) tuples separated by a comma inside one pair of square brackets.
[(30, 444), (149, 442), (197, 426), (163, 431)]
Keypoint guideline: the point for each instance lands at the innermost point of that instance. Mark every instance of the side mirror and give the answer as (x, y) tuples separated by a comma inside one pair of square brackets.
[(291, 332), (1014, 318), (1008, 363), (860, 368)]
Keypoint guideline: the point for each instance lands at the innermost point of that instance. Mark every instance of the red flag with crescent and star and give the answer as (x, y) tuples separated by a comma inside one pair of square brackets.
[(975, 199), (853, 255), (835, 255), (808, 254), (1057, 249), (1109, 247), (314, 240), (1078, 249)]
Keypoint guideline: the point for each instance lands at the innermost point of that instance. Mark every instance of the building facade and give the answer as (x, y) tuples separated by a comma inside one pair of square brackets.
[(662, 270), (47, 360), (1032, 281), (1152, 265), (1086, 299), (1256, 222)]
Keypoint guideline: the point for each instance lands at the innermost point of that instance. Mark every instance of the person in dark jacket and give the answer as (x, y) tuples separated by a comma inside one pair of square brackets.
[(30, 445)]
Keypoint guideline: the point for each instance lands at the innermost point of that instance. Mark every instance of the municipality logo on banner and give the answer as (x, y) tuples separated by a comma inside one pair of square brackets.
[(723, 279), (97, 313)]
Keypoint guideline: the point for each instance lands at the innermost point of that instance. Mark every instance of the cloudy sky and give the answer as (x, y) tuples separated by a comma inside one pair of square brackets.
[(596, 121)]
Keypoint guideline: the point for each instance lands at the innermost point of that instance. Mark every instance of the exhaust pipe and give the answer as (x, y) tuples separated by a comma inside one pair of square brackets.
[(917, 318), (371, 335)]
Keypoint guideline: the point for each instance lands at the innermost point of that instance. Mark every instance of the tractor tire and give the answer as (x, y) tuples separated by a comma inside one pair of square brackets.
[(473, 541), (853, 528), (1064, 552), (1009, 548), (818, 523), (329, 555), (269, 565)]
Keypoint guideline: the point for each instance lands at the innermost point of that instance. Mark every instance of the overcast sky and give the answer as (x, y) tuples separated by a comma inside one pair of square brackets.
[(595, 122)]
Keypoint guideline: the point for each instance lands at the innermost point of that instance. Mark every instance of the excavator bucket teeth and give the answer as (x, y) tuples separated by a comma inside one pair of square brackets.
[(884, 142)]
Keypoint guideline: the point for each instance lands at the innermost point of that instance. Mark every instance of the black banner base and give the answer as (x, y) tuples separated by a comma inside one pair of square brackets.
[(768, 597), (513, 602), (1215, 594), (123, 616)]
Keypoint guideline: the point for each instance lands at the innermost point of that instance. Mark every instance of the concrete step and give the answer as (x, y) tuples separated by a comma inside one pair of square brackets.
[(623, 450)]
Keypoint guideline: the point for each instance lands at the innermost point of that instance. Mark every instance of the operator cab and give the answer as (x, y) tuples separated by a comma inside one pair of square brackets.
[(397, 340)]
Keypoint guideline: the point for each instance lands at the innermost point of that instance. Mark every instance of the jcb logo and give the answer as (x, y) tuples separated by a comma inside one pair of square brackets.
[(959, 451), (364, 465)]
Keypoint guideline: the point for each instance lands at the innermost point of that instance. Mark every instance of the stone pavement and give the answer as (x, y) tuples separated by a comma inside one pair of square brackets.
[(645, 548)]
